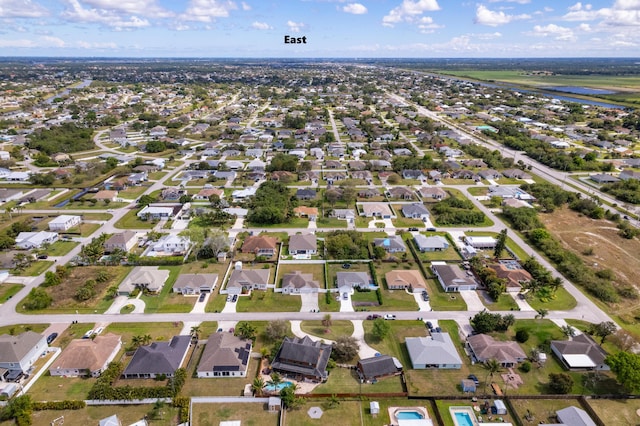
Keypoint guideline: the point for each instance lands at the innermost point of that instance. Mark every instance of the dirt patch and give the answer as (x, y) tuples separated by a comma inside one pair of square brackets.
[(609, 251), (63, 294)]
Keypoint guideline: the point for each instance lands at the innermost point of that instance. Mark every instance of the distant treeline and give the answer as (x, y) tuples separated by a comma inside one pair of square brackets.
[(64, 138)]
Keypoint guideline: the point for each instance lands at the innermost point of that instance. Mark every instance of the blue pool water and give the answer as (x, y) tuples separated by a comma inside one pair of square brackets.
[(279, 387), (409, 415), (463, 419)]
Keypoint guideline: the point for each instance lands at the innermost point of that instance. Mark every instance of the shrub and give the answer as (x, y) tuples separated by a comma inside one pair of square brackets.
[(525, 367), (522, 335)]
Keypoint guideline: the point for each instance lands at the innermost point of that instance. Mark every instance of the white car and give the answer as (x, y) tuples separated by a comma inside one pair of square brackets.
[(389, 317), (99, 330)]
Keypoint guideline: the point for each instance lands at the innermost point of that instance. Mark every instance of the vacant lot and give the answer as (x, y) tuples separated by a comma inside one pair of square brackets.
[(249, 414), (63, 294), (609, 250)]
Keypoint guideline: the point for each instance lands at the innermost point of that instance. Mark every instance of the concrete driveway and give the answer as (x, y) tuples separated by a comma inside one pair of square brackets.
[(472, 300), (309, 302), (345, 304), (365, 350), (423, 306), (122, 301)]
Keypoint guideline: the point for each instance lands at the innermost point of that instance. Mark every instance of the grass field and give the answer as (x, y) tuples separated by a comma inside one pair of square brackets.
[(7, 291), (268, 301), (250, 414), (16, 329), (346, 380), (166, 301), (92, 415), (345, 414), (131, 221), (60, 248), (579, 234), (316, 270), (35, 269), (337, 329)]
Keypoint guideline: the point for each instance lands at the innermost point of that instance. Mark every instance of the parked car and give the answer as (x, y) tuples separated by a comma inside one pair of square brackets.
[(413, 229), (429, 325), (474, 378), (346, 265), (99, 330), (389, 317), (43, 256), (431, 229), (235, 298), (202, 296), (345, 296), (51, 338), (88, 334), (373, 316)]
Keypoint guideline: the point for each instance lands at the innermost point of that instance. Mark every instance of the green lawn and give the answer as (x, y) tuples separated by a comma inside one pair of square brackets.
[(92, 415), (504, 303), (84, 229), (49, 388), (159, 331), (294, 222), (166, 301), (337, 329), (345, 380), (7, 291), (36, 268), (345, 414), (16, 329), (132, 192), (60, 248), (561, 300), (330, 222), (268, 301), (250, 414), (131, 221)]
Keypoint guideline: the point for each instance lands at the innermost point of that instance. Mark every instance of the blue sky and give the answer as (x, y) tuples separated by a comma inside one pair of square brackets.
[(333, 28)]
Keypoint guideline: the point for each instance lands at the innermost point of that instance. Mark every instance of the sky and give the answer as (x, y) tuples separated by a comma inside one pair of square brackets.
[(333, 28)]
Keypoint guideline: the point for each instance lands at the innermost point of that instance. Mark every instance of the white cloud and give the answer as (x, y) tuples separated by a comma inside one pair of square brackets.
[(246, 6), (427, 26), (21, 9), (627, 5), (295, 27), (108, 18), (53, 41), (148, 8), (555, 31), (491, 18), (261, 26), (105, 45), (511, 1), (409, 10), (45, 41), (623, 13), (207, 10), (355, 8), (584, 27)]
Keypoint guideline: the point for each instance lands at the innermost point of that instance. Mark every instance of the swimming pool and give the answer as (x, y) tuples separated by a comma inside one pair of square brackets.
[(463, 416), (409, 415), (278, 387)]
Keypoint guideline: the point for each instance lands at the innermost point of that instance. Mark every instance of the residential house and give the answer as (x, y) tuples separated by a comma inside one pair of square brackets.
[(401, 193), (349, 280), (333, 164), (106, 195), (516, 174), (415, 211), (283, 176), (369, 193), (413, 174), (509, 192), (19, 353), (481, 243), (453, 278), (302, 359), (357, 165), (489, 174), (380, 210), (245, 280), (433, 243), (31, 240), (303, 245), (435, 175), (86, 357), (260, 245), (124, 241), (629, 174), (392, 244), (604, 178), (64, 222), (298, 282), (195, 283), (400, 279), (513, 273), (206, 193), (370, 370), (110, 421), (483, 347), (242, 194), (347, 214), (432, 192), (10, 194), (159, 211), (158, 359), (225, 355), (435, 351), (306, 194), (362, 174), (580, 353), (169, 245), (144, 278), (172, 194), (574, 416), (515, 203), (304, 211)]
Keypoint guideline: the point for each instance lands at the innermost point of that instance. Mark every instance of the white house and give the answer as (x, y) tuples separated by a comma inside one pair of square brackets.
[(19, 353), (31, 240), (169, 245), (64, 222)]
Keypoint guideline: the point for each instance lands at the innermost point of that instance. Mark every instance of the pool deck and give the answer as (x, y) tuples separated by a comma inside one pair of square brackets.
[(422, 410), (463, 409)]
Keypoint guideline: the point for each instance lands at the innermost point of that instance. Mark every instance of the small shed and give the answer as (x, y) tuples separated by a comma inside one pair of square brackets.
[(499, 407), (468, 385), (275, 404), (374, 407)]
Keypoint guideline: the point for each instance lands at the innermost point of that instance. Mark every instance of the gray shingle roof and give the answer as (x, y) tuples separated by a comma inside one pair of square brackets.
[(14, 348), (303, 356), (225, 352), (378, 366), (437, 350), (159, 357)]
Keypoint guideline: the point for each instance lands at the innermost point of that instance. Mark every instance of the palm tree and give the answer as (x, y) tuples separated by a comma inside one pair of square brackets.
[(195, 332), (492, 366), (257, 385), (326, 320), (542, 313), (136, 341), (146, 339), (275, 380), (568, 331), (556, 283)]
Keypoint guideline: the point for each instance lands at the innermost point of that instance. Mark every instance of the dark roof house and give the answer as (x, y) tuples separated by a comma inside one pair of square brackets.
[(377, 367), (225, 355), (158, 358), (302, 358)]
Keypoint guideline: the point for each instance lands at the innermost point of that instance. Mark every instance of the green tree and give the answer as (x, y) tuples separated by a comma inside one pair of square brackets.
[(603, 329), (345, 348), (626, 367), (501, 244), (492, 366), (560, 383), (276, 330), (257, 386), (37, 299), (246, 330), (381, 328), (379, 252)]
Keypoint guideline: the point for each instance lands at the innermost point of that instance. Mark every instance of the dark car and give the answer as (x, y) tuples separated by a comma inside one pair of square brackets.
[(51, 338), (43, 256), (431, 229), (346, 265), (429, 325), (202, 296), (413, 229), (235, 298), (373, 316), (474, 378)]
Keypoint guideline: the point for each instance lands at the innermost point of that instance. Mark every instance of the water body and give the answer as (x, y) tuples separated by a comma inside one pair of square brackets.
[(82, 85), (577, 90), (75, 197)]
